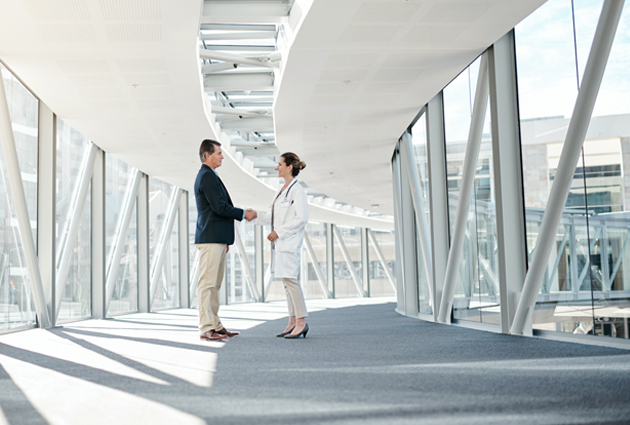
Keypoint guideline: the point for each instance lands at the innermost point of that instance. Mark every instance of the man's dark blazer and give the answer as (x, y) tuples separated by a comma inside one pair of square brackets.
[(215, 211)]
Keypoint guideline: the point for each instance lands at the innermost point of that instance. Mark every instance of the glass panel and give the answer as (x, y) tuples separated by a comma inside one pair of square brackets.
[(608, 178), (344, 283), (547, 71), (419, 140), (380, 286), (117, 186), (167, 290), (194, 252), (16, 301), (72, 150), (316, 233), (477, 290), (238, 289)]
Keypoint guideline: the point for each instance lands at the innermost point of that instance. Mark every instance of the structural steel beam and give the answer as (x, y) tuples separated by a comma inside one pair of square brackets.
[(121, 234), (418, 205), (218, 67), (265, 112), (21, 210), (249, 124), (508, 176), (346, 256), (194, 277), (245, 35), (318, 270), (381, 258), (262, 61), (77, 213), (576, 133), (251, 282), (438, 195), (163, 241), (465, 191), (234, 81)]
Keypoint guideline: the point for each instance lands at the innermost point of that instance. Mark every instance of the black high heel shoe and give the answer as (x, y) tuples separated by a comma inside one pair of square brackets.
[(304, 332), (282, 334)]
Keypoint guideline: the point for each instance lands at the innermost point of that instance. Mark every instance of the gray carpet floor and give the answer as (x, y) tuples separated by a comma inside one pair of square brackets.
[(362, 364)]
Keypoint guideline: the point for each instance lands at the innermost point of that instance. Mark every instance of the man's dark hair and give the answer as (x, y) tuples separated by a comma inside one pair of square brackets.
[(207, 147)]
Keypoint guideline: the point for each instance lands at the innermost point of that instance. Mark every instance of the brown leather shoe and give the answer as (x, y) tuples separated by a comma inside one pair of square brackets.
[(212, 336), (226, 333)]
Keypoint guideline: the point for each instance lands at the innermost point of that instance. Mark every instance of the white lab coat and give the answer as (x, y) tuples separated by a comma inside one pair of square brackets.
[(290, 218)]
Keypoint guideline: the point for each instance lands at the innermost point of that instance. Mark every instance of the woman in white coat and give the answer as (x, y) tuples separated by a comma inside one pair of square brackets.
[(288, 217)]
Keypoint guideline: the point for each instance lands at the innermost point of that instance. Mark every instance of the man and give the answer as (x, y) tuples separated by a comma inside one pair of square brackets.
[(215, 232)]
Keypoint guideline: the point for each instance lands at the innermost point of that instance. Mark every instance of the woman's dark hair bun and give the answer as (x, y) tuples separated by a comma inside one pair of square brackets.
[(292, 159)]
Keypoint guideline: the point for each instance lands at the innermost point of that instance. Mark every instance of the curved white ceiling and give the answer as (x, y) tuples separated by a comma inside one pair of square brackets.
[(359, 71), (126, 74)]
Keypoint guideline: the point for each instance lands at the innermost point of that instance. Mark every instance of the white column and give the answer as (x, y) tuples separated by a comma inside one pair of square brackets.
[(97, 199), (578, 125), (438, 196), (46, 203), (143, 245), (398, 238), (465, 191), (184, 252), (508, 176), (21, 211), (330, 258)]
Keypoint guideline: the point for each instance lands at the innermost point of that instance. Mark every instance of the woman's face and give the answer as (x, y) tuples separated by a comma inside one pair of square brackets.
[(284, 170)]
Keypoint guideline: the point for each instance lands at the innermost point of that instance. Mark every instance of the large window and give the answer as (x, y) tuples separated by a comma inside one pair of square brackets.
[(118, 186), (75, 286), (583, 289), (16, 301), (477, 291), (165, 283), (419, 142)]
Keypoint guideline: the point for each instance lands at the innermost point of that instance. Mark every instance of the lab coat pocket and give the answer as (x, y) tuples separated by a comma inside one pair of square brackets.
[(290, 243)]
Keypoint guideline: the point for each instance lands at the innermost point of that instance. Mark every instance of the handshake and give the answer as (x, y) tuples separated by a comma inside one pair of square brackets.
[(250, 214)]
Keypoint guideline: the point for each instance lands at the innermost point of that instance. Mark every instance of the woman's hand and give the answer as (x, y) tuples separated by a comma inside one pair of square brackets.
[(272, 236)]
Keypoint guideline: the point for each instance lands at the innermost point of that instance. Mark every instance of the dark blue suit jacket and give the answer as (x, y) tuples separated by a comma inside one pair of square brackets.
[(215, 211)]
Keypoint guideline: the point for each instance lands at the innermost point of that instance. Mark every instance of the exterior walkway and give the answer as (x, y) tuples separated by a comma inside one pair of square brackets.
[(361, 363)]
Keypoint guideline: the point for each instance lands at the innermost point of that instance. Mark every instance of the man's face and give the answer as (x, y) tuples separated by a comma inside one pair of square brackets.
[(214, 161)]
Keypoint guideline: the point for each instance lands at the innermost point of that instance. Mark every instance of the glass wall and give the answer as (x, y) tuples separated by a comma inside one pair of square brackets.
[(72, 155), (167, 279), (117, 188), (238, 286), (313, 288), (345, 286), (380, 285), (16, 301), (477, 291), (419, 142), (583, 290), (194, 252)]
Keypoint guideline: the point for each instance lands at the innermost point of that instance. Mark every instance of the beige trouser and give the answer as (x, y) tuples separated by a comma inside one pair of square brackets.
[(295, 298), (211, 268)]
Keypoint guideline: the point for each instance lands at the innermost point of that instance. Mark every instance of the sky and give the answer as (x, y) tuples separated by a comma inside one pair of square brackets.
[(546, 68)]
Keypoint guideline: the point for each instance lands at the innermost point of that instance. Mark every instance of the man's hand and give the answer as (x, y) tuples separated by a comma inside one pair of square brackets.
[(272, 236), (250, 214)]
